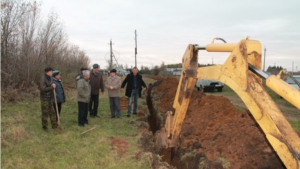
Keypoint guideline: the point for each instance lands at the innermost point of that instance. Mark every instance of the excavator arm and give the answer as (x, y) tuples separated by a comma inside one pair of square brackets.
[(241, 72)]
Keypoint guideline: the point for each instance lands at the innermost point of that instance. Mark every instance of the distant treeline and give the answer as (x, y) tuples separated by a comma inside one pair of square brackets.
[(156, 69), (29, 43), (179, 65)]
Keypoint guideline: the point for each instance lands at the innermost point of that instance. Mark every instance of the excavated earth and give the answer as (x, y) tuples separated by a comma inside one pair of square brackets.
[(214, 134)]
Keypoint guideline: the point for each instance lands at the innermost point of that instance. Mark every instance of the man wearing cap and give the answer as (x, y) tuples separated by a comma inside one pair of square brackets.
[(113, 85), (46, 94), (59, 91), (79, 75), (135, 83), (96, 82), (83, 97)]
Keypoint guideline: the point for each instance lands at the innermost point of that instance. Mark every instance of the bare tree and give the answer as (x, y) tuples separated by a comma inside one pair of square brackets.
[(13, 16), (28, 31), (28, 44)]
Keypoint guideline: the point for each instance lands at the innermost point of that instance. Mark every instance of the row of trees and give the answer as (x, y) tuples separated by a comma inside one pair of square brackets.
[(29, 44), (156, 69)]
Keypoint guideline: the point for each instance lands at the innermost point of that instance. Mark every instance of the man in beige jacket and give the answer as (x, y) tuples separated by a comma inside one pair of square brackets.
[(113, 85)]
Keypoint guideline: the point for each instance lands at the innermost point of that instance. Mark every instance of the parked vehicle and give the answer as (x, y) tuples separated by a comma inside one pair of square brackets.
[(205, 85)]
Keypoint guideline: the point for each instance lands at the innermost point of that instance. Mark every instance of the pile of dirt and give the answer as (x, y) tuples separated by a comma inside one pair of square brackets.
[(119, 144), (215, 134), (123, 103)]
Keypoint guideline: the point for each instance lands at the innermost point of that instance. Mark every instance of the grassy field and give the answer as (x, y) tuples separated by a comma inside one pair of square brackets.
[(25, 145)]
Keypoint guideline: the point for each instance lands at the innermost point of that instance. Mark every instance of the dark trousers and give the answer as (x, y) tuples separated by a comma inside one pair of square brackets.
[(94, 110), (59, 108), (82, 113), (114, 103)]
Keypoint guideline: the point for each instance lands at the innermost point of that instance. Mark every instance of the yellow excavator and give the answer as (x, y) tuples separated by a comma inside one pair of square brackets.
[(242, 73)]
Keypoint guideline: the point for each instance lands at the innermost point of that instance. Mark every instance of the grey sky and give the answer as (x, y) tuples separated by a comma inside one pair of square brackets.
[(165, 28)]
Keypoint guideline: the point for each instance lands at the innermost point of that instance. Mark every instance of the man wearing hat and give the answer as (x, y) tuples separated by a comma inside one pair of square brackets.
[(80, 74), (83, 97), (59, 91), (113, 85), (96, 82), (46, 94)]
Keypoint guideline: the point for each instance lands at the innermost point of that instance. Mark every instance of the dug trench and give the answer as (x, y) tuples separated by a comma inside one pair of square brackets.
[(214, 133)]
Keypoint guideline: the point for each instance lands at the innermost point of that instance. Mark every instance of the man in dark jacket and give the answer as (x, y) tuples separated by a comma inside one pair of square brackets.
[(59, 91), (96, 82), (46, 94), (134, 86)]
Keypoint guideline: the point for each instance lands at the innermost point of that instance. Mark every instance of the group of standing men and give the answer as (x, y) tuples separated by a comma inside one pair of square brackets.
[(89, 84)]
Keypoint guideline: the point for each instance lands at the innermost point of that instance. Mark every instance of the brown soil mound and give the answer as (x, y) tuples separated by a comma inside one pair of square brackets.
[(119, 144), (217, 134), (124, 103)]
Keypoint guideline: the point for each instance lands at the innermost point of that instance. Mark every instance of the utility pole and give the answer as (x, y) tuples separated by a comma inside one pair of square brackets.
[(135, 47), (111, 55), (293, 68), (264, 59)]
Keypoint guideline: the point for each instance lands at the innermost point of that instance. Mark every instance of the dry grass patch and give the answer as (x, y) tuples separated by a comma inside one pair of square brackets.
[(13, 134)]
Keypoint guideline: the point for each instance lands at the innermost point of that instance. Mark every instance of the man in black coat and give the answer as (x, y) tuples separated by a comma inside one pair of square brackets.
[(135, 83), (96, 82)]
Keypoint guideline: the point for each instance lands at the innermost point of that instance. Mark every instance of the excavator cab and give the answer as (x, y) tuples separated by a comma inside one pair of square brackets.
[(242, 73)]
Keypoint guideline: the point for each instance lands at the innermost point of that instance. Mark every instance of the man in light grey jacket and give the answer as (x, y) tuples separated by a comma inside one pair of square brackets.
[(113, 85), (83, 98)]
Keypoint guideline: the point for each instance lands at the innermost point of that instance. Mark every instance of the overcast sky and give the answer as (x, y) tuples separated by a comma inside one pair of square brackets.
[(166, 27)]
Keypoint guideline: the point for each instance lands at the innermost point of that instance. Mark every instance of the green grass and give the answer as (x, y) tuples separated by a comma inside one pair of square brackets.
[(25, 145), (277, 98), (295, 124), (227, 91)]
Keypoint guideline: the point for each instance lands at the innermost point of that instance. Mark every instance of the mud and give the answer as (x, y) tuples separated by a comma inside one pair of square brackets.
[(214, 135)]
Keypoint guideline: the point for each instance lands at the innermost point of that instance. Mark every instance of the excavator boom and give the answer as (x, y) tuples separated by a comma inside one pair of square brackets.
[(241, 72)]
